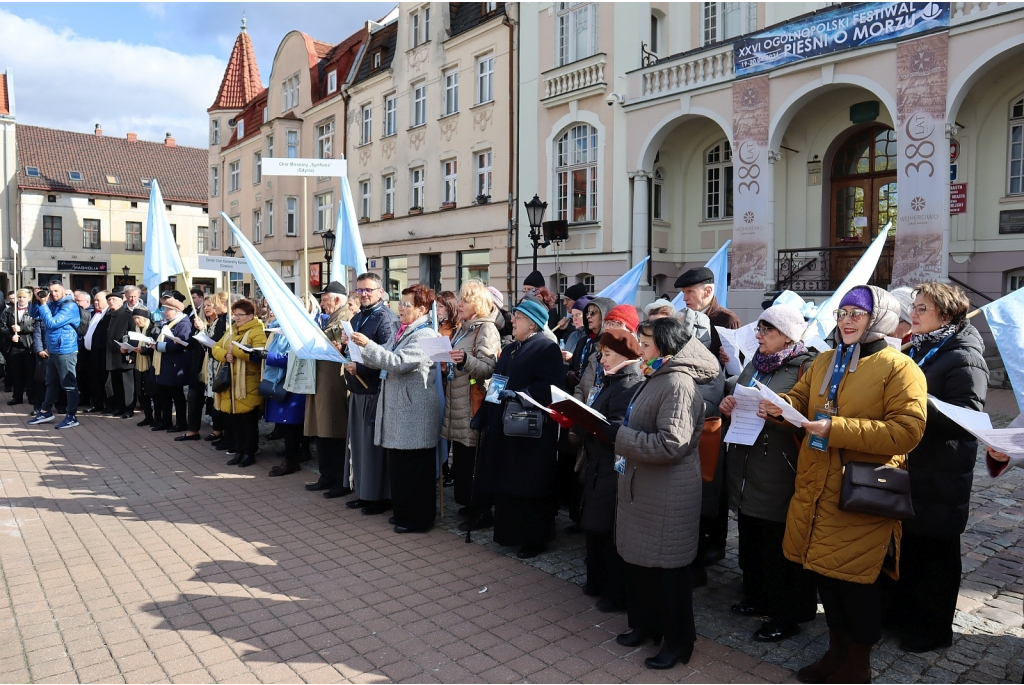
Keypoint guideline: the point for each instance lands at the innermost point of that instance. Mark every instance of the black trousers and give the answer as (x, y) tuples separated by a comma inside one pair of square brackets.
[(166, 397), (330, 457), (84, 376), (777, 586), (463, 471), (20, 369), (413, 491), (926, 593), (98, 379), (292, 434), (196, 402), (606, 571), (123, 383), (661, 603), (219, 422), (245, 429), (524, 520), (852, 608), (143, 393)]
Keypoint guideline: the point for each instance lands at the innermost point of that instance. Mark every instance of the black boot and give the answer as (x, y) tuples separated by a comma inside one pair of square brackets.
[(235, 460), (669, 657), (247, 460)]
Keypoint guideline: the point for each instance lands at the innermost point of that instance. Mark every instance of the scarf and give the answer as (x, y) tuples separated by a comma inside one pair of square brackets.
[(769, 363), (936, 336), (143, 362), (238, 388), (157, 354), (651, 367)]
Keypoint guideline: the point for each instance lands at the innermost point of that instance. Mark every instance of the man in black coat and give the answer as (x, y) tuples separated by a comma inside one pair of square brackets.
[(95, 342), (120, 366)]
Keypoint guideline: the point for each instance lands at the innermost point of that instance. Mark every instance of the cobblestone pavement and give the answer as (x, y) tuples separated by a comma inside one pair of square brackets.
[(126, 556)]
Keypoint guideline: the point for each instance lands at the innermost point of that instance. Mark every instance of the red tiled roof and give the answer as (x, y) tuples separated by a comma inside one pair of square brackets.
[(339, 59), (241, 82), (180, 170), (5, 102), (321, 48), (252, 115)]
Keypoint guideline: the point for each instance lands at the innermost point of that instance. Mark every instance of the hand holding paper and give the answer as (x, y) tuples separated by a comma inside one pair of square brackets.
[(438, 349), (728, 337), (205, 339), (745, 425), (788, 412), (354, 351), (140, 337)]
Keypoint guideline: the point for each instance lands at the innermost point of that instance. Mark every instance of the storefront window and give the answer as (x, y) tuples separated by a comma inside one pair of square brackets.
[(396, 277), (475, 264)]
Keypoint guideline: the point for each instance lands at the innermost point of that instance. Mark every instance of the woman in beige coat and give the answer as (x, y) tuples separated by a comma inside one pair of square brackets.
[(476, 345)]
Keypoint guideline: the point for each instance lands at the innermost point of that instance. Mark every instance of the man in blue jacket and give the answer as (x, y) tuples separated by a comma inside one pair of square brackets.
[(61, 317)]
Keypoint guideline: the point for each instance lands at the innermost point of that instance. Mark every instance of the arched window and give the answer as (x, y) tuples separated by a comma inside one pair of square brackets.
[(718, 181), (561, 283), (1015, 183), (576, 174), (587, 280)]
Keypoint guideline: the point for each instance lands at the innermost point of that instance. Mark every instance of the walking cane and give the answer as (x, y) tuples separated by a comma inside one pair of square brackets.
[(472, 489)]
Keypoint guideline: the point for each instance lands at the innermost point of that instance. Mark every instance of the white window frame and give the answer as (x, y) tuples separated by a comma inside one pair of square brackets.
[(722, 21), (257, 226), (376, 60), (365, 198), (215, 181), (292, 139), (268, 223), (451, 91), (332, 81), (589, 282), (257, 167), (202, 239), (1014, 280), (415, 19), (573, 43), (418, 179), (484, 172), (658, 196), (419, 104), (324, 212), (214, 234), (92, 239), (576, 151), (215, 132), (390, 115), (490, 7), (291, 216), (325, 140), (270, 146), (234, 176), (1015, 148), (485, 78), (388, 206), (240, 125), (450, 180), (366, 124), (290, 92), (717, 171)]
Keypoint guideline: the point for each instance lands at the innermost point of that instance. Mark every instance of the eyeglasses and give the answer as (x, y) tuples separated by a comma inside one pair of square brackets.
[(365, 291), (854, 315), (764, 328), (405, 305), (921, 309)]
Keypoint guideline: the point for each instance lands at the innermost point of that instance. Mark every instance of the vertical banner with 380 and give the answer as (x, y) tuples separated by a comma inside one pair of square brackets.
[(923, 159), (749, 253)]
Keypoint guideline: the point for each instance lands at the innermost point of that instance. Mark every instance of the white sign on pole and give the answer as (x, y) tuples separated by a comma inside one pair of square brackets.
[(214, 263), (293, 166)]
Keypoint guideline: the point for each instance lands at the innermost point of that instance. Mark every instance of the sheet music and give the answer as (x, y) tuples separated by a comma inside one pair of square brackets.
[(354, 351), (1007, 440), (747, 341), (728, 337), (559, 395), (745, 425), (139, 337), (439, 349), (205, 339), (788, 412)]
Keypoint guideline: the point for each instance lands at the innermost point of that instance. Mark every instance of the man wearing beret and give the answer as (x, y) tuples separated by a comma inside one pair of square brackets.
[(698, 286)]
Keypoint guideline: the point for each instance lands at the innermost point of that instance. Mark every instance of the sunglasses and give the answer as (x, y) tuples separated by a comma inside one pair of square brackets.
[(854, 315)]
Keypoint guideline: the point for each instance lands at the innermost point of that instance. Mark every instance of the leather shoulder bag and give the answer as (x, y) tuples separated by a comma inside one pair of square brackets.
[(876, 489)]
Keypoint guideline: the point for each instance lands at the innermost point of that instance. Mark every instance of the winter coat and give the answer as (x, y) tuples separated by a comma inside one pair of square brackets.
[(762, 476), (479, 339), (598, 476), (408, 406), (882, 405), (257, 338), (379, 324), (61, 320), (175, 359), (292, 409), (197, 351), (942, 465), (327, 410), (118, 325), (521, 467), (27, 325), (657, 515)]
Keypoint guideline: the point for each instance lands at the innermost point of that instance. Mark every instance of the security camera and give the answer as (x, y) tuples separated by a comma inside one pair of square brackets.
[(614, 99)]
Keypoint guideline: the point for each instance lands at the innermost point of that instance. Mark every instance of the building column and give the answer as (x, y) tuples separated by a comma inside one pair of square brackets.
[(640, 244)]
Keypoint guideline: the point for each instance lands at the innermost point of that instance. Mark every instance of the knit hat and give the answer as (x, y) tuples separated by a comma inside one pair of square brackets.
[(905, 296), (143, 312), (623, 342), (496, 295), (582, 302), (860, 297), (535, 279), (788, 320), (658, 304), (535, 311), (625, 314), (576, 291)]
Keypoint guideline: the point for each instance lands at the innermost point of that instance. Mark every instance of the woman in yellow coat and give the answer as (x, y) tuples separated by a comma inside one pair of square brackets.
[(864, 402), (241, 402)]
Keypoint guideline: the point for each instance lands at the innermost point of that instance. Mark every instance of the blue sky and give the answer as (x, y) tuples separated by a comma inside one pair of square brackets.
[(70, 61)]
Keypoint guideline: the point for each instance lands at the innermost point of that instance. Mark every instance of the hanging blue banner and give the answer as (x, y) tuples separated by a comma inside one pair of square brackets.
[(835, 30)]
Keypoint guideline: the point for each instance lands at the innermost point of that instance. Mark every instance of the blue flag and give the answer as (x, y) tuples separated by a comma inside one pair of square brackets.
[(305, 337), (1005, 320), (623, 290), (161, 259), (349, 250), (442, 444), (719, 264)]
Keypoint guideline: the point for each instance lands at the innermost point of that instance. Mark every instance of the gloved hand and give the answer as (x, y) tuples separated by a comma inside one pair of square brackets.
[(257, 356), (474, 423), (609, 432), (507, 395), (562, 420)]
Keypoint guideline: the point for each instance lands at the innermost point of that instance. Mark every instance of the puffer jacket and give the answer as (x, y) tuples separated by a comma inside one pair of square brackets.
[(60, 320), (480, 340), (253, 371), (942, 466), (582, 372), (657, 516), (882, 405)]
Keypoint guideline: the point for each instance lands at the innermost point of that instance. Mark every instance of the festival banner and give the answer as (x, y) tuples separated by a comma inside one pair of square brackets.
[(922, 174), (750, 237)]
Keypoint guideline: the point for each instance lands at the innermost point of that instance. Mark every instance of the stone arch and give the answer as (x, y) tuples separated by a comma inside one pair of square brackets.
[(958, 90), (662, 130)]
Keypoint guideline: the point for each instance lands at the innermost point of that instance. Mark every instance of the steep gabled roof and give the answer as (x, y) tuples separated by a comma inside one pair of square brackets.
[(339, 59), (180, 170), (241, 82), (252, 115), (384, 41)]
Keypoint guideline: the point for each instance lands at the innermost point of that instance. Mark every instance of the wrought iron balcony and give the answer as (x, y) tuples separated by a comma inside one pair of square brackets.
[(822, 269)]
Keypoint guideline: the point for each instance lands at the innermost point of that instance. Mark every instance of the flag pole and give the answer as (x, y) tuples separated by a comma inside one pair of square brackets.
[(305, 232)]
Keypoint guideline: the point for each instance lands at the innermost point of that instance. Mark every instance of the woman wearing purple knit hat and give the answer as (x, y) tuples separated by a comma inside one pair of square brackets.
[(864, 402)]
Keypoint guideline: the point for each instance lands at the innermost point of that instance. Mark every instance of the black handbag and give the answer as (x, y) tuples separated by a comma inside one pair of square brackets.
[(877, 490), (275, 392), (522, 422), (222, 381)]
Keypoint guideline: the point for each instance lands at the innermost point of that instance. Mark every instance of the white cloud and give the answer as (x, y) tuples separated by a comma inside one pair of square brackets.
[(63, 80)]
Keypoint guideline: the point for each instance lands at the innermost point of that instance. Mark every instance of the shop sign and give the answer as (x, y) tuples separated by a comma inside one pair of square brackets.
[(87, 267), (835, 30), (957, 198), (314, 274)]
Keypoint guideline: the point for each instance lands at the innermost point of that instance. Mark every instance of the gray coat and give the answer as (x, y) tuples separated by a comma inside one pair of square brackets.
[(482, 344), (408, 408), (657, 515)]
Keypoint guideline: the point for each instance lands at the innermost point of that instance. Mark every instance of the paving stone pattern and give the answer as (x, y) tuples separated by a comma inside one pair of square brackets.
[(127, 557)]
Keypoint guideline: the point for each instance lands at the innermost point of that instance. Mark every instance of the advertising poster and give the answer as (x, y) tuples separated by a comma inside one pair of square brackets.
[(750, 193)]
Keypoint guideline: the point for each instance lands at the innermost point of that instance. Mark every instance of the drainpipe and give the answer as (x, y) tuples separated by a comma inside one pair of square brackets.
[(512, 241)]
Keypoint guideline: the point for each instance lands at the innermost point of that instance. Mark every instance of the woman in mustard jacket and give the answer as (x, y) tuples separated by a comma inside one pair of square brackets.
[(864, 402), (241, 402)]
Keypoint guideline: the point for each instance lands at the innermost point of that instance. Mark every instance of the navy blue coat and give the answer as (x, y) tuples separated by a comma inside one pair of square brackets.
[(379, 324), (292, 410), (174, 364)]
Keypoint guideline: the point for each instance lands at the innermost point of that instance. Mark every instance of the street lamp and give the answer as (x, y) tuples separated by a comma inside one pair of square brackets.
[(125, 270), (329, 239), (535, 214), (228, 252)]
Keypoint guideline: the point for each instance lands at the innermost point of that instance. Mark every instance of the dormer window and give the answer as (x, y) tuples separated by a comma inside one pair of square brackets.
[(32, 171), (241, 129), (147, 183), (75, 175), (332, 81), (376, 60)]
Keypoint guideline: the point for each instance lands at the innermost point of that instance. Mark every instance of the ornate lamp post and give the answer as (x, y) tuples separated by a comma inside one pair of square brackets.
[(535, 214), (329, 239)]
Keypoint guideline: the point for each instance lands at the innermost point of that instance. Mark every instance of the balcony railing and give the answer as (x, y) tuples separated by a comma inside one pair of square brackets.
[(822, 269), (581, 75), (687, 72), (962, 12)]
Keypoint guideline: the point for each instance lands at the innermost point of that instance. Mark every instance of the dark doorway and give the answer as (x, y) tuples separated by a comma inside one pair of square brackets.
[(87, 282)]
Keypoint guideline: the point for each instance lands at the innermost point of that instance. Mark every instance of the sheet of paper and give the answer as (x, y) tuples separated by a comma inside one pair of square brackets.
[(817, 343), (205, 339), (139, 337), (127, 347), (245, 348), (728, 338), (533, 401), (747, 341), (788, 412), (894, 343), (1007, 440), (745, 425), (968, 418), (438, 349), (559, 395), (183, 343), (354, 351)]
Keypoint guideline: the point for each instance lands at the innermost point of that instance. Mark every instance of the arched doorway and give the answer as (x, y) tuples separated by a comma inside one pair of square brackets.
[(863, 199)]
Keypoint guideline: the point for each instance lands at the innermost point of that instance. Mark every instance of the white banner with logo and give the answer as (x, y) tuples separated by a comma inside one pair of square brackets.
[(923, 161), (750, 238), (293, 166)]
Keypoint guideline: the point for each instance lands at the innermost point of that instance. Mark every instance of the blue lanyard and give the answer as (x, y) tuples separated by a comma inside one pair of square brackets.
[(931, 352), (838, 371), (757, 377), (369, 313), (629, 409)]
